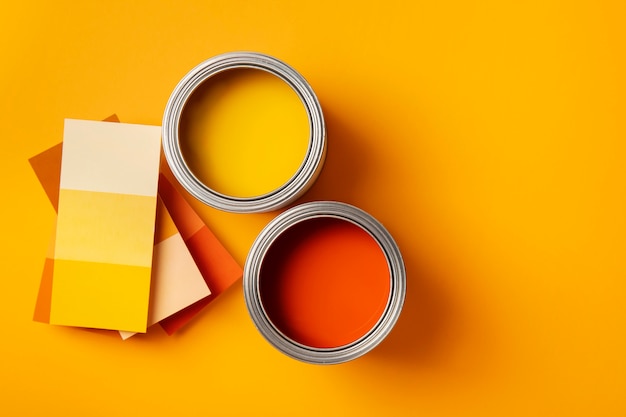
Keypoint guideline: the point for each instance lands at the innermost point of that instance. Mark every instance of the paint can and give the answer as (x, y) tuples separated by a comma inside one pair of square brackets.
[(285, 194), (262, 308)]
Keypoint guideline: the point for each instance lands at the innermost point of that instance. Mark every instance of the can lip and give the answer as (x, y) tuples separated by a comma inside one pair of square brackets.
[(302, 179), (272, 231)]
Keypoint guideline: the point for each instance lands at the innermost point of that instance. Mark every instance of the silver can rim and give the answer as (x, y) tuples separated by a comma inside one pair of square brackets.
[(301, 180), (251, 282)]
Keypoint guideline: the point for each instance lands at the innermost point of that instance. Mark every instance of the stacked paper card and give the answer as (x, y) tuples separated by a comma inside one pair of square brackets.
[(123, 258)]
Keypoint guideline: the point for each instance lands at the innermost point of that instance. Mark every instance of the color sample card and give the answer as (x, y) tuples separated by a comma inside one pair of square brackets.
[(179, 285), (217, 265), (105, 225), (176, 280), (44, 295)]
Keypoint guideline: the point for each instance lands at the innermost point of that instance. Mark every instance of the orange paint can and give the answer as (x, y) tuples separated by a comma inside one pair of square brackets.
[(324, 282)]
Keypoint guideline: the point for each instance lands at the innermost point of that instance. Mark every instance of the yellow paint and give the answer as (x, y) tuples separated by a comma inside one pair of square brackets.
[(101, 295), (244, 132), (105, 227)]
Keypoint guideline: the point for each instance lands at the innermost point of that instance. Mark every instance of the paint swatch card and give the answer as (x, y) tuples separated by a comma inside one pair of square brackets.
[(190, 267), (176, 280), (105, 225), (217, 265)]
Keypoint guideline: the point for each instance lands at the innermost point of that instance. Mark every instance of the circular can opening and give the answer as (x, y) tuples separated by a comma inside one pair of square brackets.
[(324, 282), (244, 132)]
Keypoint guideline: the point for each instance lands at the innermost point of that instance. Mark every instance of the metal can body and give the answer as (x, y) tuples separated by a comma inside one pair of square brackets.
[(301, 180), (273, 232)]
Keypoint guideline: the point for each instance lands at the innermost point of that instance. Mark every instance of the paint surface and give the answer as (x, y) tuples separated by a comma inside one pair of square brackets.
[(244, 132), (325, 282)]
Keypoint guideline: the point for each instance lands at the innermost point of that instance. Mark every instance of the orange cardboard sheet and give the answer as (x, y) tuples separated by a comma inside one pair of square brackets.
[(218, 267), (215, 263)]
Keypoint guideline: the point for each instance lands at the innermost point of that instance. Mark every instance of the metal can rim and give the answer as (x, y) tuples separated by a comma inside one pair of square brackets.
[(291, 190), (272, 231)]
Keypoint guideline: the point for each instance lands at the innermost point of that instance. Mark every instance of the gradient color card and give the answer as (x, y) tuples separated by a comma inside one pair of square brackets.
[(202, 261), (105, 225), (176, 280)]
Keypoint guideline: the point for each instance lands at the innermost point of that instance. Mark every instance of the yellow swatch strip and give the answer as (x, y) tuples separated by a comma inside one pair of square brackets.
[(105, 225), (100, 295)]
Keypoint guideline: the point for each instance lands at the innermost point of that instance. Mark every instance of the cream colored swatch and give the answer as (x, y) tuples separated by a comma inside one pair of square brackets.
[(176, 281), (117, 157)]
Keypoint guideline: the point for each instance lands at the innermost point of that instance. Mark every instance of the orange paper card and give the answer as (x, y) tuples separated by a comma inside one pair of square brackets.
[(218, 267)]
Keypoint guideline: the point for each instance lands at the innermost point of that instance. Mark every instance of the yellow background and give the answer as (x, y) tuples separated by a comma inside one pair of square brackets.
[(489, 137)]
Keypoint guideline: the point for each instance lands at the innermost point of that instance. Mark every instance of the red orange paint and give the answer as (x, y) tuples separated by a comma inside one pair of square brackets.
[(325, 282)]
